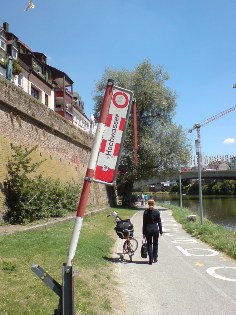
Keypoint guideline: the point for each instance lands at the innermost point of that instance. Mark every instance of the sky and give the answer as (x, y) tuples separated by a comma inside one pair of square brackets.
[(194, 40)]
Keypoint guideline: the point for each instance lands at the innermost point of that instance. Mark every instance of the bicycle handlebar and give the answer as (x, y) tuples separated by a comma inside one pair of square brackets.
[(114, 214)]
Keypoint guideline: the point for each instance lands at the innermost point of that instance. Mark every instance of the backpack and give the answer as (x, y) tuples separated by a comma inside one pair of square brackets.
[(123, 227)]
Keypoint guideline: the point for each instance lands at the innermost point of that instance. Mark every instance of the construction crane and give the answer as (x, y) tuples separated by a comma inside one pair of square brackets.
[(207, 121), (198, 151)]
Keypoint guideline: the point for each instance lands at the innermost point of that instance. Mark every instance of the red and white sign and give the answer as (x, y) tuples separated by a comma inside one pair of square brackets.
[(113, 134)]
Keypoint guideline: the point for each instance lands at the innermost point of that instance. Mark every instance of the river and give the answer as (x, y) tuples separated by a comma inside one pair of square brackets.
[(218, 209)]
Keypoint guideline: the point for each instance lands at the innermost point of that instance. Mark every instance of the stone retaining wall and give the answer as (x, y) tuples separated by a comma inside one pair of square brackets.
[(27, 122)]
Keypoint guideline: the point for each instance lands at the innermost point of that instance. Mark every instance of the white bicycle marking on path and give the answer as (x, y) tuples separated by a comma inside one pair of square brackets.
[(212, 271), (186, 251)]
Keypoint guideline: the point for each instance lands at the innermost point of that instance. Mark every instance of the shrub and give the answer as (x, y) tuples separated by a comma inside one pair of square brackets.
[(174, 188), (193, 189), (228, 187), (28, 199)]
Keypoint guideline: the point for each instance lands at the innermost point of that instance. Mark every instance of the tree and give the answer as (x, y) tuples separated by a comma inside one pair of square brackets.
[(162, 145)]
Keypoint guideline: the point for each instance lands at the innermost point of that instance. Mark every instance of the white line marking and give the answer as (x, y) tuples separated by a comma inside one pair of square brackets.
[(191, 241)]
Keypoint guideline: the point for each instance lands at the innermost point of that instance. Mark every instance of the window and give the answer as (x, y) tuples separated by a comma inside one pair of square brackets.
[(37, 67), (34, 93), (47, 74), (14, 52), (2, 44), (46, 99), (20, 80)]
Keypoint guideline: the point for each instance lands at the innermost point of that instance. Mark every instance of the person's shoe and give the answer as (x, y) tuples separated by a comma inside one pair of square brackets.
[(150, 263), (155, 260)]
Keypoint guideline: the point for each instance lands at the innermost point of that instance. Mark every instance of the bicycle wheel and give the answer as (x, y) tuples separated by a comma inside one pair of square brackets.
[(127, 249), (130, 246), (133, 244)]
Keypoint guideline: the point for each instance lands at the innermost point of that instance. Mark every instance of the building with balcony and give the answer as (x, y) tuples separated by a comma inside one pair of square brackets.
[(30, 69), (3, 52), (49, 85), (63, 90), (79, 117)]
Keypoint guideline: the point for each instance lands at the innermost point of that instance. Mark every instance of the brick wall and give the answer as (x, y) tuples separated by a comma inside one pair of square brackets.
[(27, 122)]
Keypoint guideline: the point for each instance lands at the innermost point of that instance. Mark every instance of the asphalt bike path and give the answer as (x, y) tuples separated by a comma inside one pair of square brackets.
[(190, 277)]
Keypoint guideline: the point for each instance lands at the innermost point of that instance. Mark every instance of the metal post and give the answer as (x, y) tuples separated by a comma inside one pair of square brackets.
[(200, 186), (67, 291), (199, 161), (90, 173), (180, 190)]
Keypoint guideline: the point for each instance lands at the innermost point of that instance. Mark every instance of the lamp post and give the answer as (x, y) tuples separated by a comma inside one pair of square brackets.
[(199, 162), (180, 189)]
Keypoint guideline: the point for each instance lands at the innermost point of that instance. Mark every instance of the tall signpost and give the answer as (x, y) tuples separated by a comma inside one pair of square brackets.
[(89, 173), (113, 136), (102, 168)]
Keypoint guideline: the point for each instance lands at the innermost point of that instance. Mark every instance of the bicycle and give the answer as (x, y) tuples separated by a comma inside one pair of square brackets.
[(124, 229)]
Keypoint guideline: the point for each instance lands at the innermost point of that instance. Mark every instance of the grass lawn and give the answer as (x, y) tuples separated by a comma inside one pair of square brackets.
[(22, 292)]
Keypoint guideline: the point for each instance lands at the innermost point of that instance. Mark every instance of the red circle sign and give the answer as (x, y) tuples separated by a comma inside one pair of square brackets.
[(120, 99)]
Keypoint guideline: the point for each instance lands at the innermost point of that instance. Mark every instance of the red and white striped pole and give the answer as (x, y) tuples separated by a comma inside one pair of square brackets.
[(90, 172)]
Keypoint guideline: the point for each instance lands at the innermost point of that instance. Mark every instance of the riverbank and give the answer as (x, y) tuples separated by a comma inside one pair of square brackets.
[(218, 209)]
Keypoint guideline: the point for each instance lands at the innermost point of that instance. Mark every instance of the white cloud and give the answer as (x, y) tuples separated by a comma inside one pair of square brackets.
[(229, 141)]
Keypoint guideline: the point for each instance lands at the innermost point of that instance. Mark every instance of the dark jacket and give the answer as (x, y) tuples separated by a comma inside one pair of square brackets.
[(151, 218)]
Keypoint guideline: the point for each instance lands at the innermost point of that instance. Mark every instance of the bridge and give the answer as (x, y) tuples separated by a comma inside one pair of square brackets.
[(230, 174)]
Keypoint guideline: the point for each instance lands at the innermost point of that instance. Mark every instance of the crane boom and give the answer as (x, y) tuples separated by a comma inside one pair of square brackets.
[(198, 125)]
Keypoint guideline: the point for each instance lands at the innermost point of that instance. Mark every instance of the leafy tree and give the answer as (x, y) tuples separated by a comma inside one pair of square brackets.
[(227, 187), (216, 188), (174, 188), (162, 145), (18, 185), (206, 189)]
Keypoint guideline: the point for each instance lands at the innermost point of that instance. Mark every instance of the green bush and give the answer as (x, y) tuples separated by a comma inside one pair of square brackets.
[(193, 189), (228, 187), (206, 189), (28, 199), (174, 188)]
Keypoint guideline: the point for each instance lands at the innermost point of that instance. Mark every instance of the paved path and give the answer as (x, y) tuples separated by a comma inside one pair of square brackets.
[(190, 278)]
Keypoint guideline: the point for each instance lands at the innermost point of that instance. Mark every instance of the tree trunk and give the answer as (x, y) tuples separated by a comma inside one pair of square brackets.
[(125, 191)]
